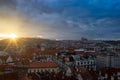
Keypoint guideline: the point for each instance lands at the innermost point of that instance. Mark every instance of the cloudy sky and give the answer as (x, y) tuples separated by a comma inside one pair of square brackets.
[(61, 19)]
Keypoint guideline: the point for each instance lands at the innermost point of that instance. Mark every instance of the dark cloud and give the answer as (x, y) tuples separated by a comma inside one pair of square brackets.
[(7, 2), (69, 19)]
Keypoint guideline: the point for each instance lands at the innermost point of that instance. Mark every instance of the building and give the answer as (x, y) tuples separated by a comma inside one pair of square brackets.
[(107, 73), (87, 62), (42, 66), (108, 60)]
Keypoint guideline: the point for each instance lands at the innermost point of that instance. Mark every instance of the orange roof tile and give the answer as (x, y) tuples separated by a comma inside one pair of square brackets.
[(86, 53), (111, 70), (25, 78), (5, 66), (43, 65), (4, 57)]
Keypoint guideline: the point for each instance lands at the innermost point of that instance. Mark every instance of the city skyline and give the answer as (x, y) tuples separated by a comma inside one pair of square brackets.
[(61, 19)]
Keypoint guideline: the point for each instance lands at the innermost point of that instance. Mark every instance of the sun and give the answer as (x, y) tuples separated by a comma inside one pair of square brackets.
[(12, 36)]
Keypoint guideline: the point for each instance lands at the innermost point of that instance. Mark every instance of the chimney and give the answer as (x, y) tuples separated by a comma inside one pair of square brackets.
[(106, 75), (112, 77), (99, 73), (118, 74)]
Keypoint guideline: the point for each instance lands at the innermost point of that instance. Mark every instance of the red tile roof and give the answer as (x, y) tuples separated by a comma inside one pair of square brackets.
[(94, 74), (43, 65), (4, 57), (85, 53), (110, 70), (5, 66), (25, 78), (31, 51), (49, 51), (9, 76), (84, 72)]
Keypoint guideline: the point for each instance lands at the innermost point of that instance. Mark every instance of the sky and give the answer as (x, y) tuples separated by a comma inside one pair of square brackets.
[(61, 19)]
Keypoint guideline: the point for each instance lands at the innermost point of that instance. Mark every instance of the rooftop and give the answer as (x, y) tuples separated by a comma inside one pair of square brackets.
[(43, 65)]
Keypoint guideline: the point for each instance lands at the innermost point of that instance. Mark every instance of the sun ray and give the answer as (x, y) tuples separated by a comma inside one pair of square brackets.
[(12, 40)]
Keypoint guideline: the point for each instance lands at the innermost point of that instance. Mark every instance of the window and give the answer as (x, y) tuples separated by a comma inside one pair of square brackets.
[(85, 63), (78, 64), (88, 62), (81, 63)]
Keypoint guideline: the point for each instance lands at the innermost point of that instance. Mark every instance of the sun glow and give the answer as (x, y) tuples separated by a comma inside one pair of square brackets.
[(11, 36)]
